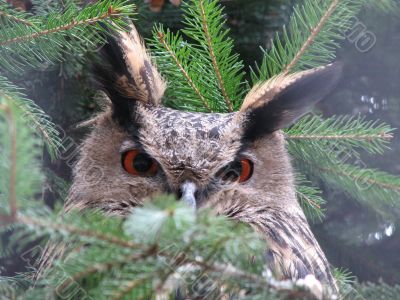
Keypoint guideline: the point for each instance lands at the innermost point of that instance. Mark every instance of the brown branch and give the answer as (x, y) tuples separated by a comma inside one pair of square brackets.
[(99, 267), (314, 32), (369, 180), (78, 231), (110, 13), (185, 74), (179, 259), (213, 57), (383, 135), (309, 200), (12, 197), (129, 287), (32, 117), (16, 19)]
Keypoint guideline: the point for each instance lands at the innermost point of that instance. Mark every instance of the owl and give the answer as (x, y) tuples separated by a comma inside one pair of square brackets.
[(235, 163)]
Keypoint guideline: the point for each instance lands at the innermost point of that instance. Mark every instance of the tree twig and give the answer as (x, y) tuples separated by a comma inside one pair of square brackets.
[(15, 18), (129, 287), (34, 120), (314, 32), (78, 231), (100, 267), (182, 69), (111, 12), (383, 135), (221, 84), (366, 180), (309, 200), (178, 260), (12, 198)]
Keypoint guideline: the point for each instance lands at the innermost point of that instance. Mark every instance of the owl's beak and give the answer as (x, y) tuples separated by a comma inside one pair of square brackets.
[(188, 191)]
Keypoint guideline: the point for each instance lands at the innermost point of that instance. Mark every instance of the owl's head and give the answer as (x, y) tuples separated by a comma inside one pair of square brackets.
[(139, 148)]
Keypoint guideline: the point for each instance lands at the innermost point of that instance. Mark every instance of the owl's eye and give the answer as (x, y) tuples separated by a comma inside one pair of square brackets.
[(139, 163), (239, 170)]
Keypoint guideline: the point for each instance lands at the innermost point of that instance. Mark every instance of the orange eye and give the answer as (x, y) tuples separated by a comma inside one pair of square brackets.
[(139, 163), (247, 169), (240, 170)]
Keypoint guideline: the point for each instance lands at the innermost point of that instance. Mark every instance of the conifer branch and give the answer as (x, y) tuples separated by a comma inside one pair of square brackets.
[(356, 137), (309, 200), (130, 286), (221, 84), (207, 56), (311, 39), (53, 35), (182, 69), (110, 13), (350, 172), (39, 120), (78, 232), (375, 189), (13, 160), (347, 132), (100, 268), (30, 115), (15, 18), (313, 34)]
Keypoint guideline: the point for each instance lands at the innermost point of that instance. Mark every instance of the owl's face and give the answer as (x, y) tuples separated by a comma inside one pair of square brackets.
[(200, 158), (139, 149), (203, 159)]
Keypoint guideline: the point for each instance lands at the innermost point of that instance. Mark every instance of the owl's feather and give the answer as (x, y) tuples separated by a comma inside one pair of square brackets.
[(127, 74), (280, 101)]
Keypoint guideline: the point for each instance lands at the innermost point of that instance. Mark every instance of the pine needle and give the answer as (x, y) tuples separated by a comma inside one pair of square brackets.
[(34, 41), (35, 116), (351, 133)]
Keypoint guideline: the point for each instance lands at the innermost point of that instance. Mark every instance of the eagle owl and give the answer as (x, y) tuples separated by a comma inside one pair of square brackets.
[(234, 163)]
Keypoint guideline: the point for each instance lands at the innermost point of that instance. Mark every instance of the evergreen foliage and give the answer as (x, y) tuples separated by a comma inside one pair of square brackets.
[(39, 40), (34, 114), (165, 246), (205, 74)]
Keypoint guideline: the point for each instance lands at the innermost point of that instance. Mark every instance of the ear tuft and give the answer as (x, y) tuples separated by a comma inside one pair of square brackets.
[(280, 101), (126, 72)]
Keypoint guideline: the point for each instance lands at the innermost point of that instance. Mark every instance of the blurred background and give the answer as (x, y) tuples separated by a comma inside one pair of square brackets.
[(359, 240)]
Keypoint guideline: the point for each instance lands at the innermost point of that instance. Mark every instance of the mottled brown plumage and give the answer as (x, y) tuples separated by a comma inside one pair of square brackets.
[(192, 148)]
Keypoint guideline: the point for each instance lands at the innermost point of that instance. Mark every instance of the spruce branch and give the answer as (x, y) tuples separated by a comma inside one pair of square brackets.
[(33, 114), (129, 286), (90, 21), (205, 25), (179, 64), (379, 179), (53, 35), (345, 132), (75, 231), (213, 56), (387, 6), (311, 38), (209, 65), (377, 290), (101, 268), (313, 34), (13, 160), (19, 148), (375, 189), (310, 198), (15, 18)]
